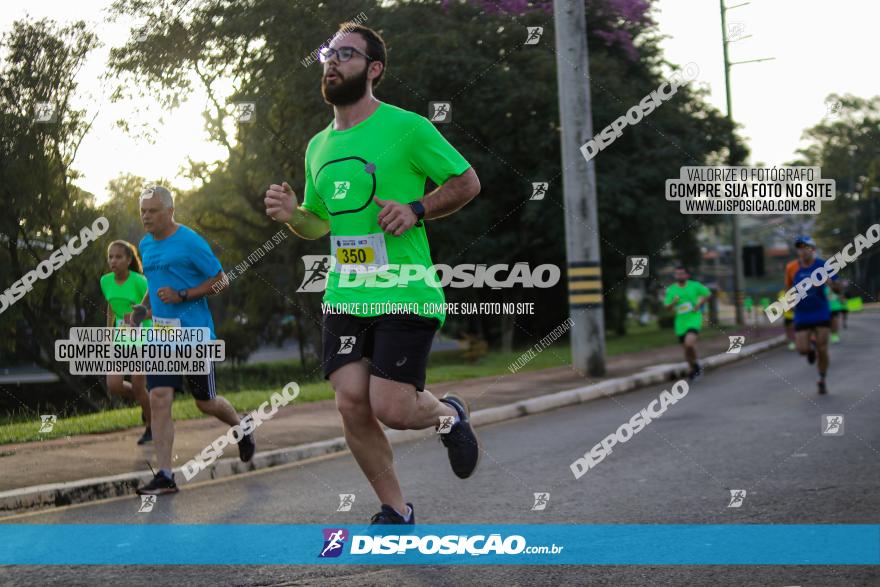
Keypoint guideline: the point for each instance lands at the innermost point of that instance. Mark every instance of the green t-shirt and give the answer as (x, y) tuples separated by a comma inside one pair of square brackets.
[(834, 303), (686, 315), (387, 156), (122, 297)]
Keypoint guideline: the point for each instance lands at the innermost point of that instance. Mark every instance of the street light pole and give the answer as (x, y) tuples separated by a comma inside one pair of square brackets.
[(739, 279), (738, 276), (579, 189)]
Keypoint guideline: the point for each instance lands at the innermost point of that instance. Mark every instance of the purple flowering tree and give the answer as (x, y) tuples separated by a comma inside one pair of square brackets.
[(616, 23)]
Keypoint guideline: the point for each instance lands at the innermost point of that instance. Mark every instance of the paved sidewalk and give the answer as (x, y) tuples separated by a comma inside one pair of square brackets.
[(95, 455)]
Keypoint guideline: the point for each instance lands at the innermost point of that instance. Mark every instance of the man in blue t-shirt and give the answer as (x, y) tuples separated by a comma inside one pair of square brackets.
[(812, 315), (181, 271)]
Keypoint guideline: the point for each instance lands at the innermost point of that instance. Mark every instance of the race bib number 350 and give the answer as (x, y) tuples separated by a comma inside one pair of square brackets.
[(360, 254), (355, 255)]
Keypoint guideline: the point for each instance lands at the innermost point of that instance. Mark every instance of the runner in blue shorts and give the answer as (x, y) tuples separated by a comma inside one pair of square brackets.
[(181, 271), (812, 314)]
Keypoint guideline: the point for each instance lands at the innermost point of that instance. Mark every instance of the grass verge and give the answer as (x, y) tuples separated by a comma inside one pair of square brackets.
[(444, 366)]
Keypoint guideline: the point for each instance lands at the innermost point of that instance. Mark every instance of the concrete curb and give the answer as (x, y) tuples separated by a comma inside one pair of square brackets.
[(40, 497)]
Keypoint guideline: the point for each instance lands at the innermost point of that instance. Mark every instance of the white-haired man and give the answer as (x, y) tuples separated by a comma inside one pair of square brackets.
[(181, 271)]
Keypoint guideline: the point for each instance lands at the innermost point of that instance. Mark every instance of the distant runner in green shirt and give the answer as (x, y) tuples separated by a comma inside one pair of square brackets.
[(686, 298), (837, 304), (123, 288), (365, 177)]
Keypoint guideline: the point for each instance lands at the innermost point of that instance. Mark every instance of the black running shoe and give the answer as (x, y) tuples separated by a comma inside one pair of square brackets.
[(388, 515), (822, 389), (147, 436), (695, 373), (160, 485), (461, 441), (247, 446)]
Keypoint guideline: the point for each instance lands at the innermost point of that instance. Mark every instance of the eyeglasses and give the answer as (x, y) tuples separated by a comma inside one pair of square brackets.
[(343, 54)]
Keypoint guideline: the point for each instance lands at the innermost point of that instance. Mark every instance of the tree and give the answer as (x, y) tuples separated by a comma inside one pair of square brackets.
[(38, 146), (846, 145), (505, 122)]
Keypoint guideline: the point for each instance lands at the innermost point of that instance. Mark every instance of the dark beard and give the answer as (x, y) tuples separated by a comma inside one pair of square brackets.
[(346, 92)]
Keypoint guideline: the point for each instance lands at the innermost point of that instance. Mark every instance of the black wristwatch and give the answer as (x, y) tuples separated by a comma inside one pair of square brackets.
[(183, 294), (419, 210)]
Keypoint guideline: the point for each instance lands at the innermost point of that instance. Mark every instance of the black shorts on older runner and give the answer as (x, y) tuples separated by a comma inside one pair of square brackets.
[(202, 387)]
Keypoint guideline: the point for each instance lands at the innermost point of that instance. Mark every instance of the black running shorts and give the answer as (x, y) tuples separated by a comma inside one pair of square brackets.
[(202, 387), (812, 325), (688, 331), (396, 344)]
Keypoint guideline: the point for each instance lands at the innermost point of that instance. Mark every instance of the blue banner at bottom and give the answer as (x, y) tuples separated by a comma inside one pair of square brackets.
[(521, 544)]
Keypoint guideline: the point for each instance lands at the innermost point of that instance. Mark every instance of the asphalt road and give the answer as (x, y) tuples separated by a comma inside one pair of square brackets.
[(755, 425)]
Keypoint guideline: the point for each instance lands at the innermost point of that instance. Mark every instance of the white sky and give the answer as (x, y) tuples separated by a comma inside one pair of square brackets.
[(107, 151), (820, 48)]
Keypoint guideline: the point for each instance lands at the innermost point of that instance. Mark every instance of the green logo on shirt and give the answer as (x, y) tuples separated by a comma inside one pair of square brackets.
[(341, 189)]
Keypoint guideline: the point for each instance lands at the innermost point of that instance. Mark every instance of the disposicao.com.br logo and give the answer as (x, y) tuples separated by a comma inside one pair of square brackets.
[(334, 540), (497, 276)]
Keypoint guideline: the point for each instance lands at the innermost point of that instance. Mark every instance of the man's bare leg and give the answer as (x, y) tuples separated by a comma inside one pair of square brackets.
[(822, 351), (162, 424), (399, 406), (802, 341), (690, 349), (364, 435), (220, 408)]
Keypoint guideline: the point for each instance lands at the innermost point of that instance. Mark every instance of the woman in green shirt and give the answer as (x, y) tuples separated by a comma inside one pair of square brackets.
[(123, 288)]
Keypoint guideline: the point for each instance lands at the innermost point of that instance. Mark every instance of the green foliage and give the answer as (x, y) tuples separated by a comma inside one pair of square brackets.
[(846, 145), (40, 63), (505, 122)]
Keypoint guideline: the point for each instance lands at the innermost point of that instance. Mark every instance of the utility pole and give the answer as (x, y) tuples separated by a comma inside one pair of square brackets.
[(739, 279), (579, 189)]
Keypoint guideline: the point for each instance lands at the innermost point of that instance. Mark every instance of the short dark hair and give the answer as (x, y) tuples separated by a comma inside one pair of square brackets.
[(376, 50), (682, 267)]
